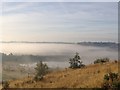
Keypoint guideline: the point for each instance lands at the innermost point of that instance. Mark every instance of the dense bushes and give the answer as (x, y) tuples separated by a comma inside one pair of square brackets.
[(41, 70), (102, 60), (111, 80), (76, 62)]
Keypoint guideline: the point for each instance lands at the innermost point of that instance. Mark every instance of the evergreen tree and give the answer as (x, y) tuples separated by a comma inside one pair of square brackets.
[(76, 62), (41, 70)]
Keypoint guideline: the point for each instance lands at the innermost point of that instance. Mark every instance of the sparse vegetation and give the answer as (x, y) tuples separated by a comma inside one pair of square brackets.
[(5, 85), (76, 62), (102, 60), (41, 70), (116, 61), (111, 80), (90, 77)]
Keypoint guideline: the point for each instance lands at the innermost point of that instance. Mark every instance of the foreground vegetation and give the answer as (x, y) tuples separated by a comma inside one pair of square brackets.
[(91, 76)]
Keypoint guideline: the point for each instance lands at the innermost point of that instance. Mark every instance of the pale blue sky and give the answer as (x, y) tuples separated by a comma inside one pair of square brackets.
[(71, 22), (60, 0)]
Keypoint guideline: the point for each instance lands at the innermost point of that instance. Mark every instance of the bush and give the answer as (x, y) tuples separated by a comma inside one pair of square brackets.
[(102, 60), (41, 70), (5, 85), (116, 61), (76, 62), (111, 80)]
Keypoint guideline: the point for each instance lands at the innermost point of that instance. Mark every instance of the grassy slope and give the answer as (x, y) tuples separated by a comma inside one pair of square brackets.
[(89, 77), (0, 86)]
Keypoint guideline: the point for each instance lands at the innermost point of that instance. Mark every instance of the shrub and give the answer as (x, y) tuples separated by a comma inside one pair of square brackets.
[(116, 61), (41, 70), (111, 80), (76, 62), (5, 85), (102, 60)]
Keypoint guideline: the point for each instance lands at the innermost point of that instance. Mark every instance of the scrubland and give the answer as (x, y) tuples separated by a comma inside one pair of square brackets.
[(90, 76)]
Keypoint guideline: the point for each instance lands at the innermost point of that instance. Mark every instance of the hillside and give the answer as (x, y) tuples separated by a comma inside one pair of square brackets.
[(89, 77), (111, 45)]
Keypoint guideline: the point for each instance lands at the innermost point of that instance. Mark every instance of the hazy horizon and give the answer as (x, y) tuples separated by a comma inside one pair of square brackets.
[(60, 52), (57, 41)]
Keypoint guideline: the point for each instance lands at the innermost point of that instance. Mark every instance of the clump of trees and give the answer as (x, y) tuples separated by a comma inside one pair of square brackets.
[(101, 60), (111, 80), (41, 70), (76, 62)]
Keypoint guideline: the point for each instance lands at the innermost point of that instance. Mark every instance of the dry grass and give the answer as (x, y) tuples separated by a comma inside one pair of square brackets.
[(0, 86), (89, 77)]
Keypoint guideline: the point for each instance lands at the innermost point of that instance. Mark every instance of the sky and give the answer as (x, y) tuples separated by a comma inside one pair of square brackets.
[(60, 0), (59, 21)]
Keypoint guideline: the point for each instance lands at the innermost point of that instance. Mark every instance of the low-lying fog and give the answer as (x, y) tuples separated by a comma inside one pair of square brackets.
[(60, 53), (55, 55), (0, 68)]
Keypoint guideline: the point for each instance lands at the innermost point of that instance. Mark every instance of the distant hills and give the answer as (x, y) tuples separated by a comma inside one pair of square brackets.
[(88, 42), (35, 42), (112, 45)]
